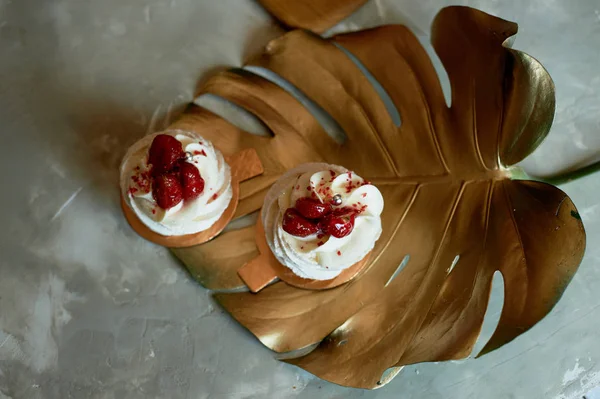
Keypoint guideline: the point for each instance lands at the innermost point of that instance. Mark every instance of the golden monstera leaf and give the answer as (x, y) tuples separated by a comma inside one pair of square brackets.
[(452, 215), (315, 15)]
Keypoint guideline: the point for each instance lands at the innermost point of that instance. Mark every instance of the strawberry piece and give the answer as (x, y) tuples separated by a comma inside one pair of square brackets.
[(191, 180), (296, 225), (164, 153), (312, 208), (167, 191), (337, 226), (343, 211)]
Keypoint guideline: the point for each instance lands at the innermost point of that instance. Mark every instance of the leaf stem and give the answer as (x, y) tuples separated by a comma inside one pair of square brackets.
[(556, 180)]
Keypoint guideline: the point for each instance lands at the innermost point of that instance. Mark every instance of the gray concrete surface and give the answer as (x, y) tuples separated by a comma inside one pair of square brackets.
[(89, 310)]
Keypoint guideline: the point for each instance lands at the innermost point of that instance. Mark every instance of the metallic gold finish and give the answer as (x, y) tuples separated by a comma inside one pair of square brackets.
[(244, 165), (446, 189), (315, 15), (215, 263), (265, 268)]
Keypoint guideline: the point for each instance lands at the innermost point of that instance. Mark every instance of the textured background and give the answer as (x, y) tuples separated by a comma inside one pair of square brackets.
[(90, 310)]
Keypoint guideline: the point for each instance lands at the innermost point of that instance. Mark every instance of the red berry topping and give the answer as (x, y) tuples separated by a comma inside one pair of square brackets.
[(191, 180), (312, 208), (343, 211), (296, 225), (337, 226), (164, 153), (167, 191)]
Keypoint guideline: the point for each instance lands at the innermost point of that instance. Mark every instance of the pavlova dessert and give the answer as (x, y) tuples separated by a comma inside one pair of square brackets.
[(175, 182), (321, 219)]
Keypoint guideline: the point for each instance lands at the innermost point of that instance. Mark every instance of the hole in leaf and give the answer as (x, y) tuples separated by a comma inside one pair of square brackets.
[(233, 113), (333, 129), (388, 375), (242, 222), (492, 313), (385, 97), (242, 288), (454, 262), (508, 43), (425, 41), (399, 269), (295, 353), (373, 14)]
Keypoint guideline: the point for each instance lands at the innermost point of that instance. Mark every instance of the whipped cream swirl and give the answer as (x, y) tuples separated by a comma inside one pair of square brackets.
[(318, 256), (187, 217)]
